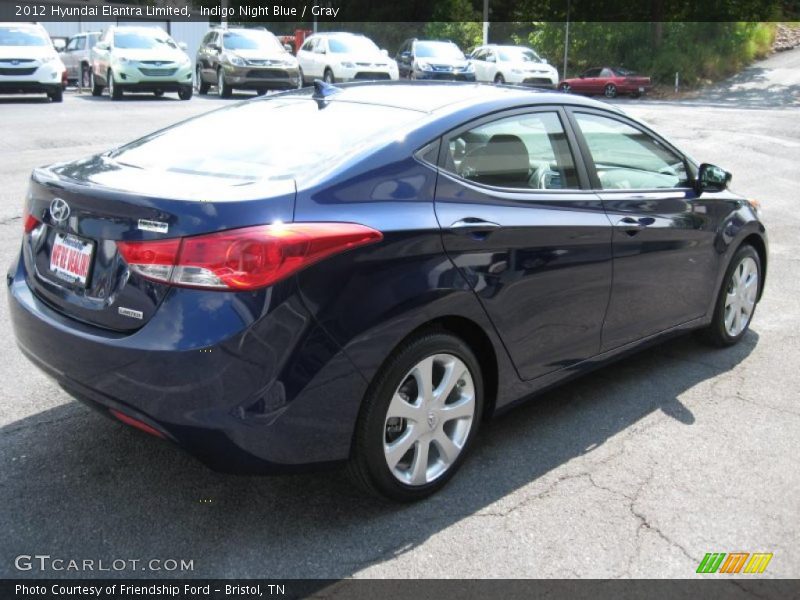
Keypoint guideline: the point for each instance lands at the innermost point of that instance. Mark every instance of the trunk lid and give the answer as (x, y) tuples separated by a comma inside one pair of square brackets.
[(85, 207)]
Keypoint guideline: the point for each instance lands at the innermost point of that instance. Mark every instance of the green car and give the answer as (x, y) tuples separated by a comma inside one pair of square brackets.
[(140, 59)]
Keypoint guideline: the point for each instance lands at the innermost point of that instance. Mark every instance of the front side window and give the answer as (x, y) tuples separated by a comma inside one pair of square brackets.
[(627, 158), (528, 152), (592, 73)]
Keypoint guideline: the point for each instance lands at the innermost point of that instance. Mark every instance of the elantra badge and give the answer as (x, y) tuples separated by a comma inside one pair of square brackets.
[(59, 210), (129, 312)]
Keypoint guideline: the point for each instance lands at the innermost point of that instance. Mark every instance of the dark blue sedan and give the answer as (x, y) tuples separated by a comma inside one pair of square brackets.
[(361, 274)]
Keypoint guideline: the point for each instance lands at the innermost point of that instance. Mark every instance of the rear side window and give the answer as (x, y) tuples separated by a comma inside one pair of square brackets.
[(281, 138), (528, 152), (628, 158)]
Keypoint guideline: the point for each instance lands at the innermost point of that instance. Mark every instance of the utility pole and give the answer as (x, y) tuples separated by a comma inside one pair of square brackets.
[(566, 42), (224, 20), (485, 22)]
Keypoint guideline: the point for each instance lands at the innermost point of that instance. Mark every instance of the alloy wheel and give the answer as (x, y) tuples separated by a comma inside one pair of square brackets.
[(740, 299), (429, 419)]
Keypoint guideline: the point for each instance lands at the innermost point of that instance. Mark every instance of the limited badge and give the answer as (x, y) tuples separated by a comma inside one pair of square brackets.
[(129, 312), (157, 226)]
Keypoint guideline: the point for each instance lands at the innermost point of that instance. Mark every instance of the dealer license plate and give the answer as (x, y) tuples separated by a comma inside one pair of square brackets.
[(71, 258)]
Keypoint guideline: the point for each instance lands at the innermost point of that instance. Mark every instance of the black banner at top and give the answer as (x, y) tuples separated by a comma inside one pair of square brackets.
[(333, 11)]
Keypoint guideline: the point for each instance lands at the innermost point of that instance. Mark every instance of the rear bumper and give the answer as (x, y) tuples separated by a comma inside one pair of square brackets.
[(257, 387)]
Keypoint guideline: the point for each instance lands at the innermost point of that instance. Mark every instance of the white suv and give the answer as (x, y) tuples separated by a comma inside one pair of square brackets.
[(29, 62), (140, 59), (335, 57), (512, 64)]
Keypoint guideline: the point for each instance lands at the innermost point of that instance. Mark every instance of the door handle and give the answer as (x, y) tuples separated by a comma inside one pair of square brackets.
[(473, 225), (632, 225)]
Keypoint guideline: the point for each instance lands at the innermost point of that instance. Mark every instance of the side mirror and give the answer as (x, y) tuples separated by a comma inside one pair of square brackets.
[(288, 48), (102, 45), (405, 55), (711, 178), (384, 51), (214, 47), (182, 46)]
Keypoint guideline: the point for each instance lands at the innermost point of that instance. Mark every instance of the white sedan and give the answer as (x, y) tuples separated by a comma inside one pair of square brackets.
[(513, 64)]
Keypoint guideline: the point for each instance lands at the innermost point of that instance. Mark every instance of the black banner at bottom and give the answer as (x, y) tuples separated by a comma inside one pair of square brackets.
[(417, 589)]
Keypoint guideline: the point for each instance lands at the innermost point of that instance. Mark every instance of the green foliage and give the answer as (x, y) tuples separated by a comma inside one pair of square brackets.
[(698, 51), (463, 26)]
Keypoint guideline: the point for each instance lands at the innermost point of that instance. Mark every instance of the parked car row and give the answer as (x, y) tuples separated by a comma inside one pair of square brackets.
[(127, 58)]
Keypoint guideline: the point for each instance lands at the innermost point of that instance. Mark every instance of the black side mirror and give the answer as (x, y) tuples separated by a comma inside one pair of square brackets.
[(214, 47), (711, 178)]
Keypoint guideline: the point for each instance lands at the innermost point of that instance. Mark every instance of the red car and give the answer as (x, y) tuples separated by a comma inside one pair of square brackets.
[(609, 81)]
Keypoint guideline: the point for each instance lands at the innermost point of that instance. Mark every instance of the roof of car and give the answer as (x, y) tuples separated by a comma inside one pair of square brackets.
[(433, 96)]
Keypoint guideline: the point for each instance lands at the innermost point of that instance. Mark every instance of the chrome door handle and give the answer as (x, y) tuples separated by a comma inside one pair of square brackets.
[(473, 225)]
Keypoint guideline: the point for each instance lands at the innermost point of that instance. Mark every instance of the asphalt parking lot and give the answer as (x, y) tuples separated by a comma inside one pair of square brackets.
[(634, 471)]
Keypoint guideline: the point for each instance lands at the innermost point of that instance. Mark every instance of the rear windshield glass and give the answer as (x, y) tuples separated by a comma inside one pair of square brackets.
[(281, 138), (22, 36)]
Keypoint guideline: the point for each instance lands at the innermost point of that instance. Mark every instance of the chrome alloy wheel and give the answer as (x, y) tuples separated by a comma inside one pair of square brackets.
[(429, 419), (740, 299)]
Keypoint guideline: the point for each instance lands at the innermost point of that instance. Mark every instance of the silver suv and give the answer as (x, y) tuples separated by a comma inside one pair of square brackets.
[(77, 58)]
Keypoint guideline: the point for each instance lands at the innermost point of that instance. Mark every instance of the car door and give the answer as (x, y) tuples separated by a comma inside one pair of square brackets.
[(478, 59), (304, 57), (663, 243), (587, 83), (405, 59), (528, 236)]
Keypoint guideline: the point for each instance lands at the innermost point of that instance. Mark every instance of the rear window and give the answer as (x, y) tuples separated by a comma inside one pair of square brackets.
[(281, 138)]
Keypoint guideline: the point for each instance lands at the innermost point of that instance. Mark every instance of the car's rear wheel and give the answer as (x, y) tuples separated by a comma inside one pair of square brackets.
[(85, 80), (261, 91), (97, 90), (610, 91), (158, 93), (566, 88), (223, 88), (328, 77), (737, 299), (419, 418), (113, 89), (301, 77), (202, 86), (499, 78)]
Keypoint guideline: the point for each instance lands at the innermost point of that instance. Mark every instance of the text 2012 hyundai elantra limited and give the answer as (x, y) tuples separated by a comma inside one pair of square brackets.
[(362, 274)]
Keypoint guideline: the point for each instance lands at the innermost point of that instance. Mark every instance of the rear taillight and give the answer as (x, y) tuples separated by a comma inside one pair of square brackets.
[(243, 259), (140, 425), (29, 222)]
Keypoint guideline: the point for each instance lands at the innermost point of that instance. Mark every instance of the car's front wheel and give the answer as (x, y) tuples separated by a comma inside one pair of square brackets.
[(185, 92), (85, 80), (499, 79), (223, 88), (737, 299), (328, 77), (565, 88), (57, 95), (113, 89), (610, 91), (419, 418), (97, 90)]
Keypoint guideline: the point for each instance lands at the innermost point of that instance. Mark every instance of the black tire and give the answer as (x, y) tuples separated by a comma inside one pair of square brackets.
[(610, 91), (368, 466), (158, 93), (85, 77), (113, 89), (97, 90), (223, 88), (301, 77), (185, 92), (202, 86), (261, 92), (57, 95), (499, 79), (716, 334), (328, 77)]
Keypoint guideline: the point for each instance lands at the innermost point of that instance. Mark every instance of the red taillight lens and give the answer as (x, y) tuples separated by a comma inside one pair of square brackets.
[(243, 259), (29, 222)]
